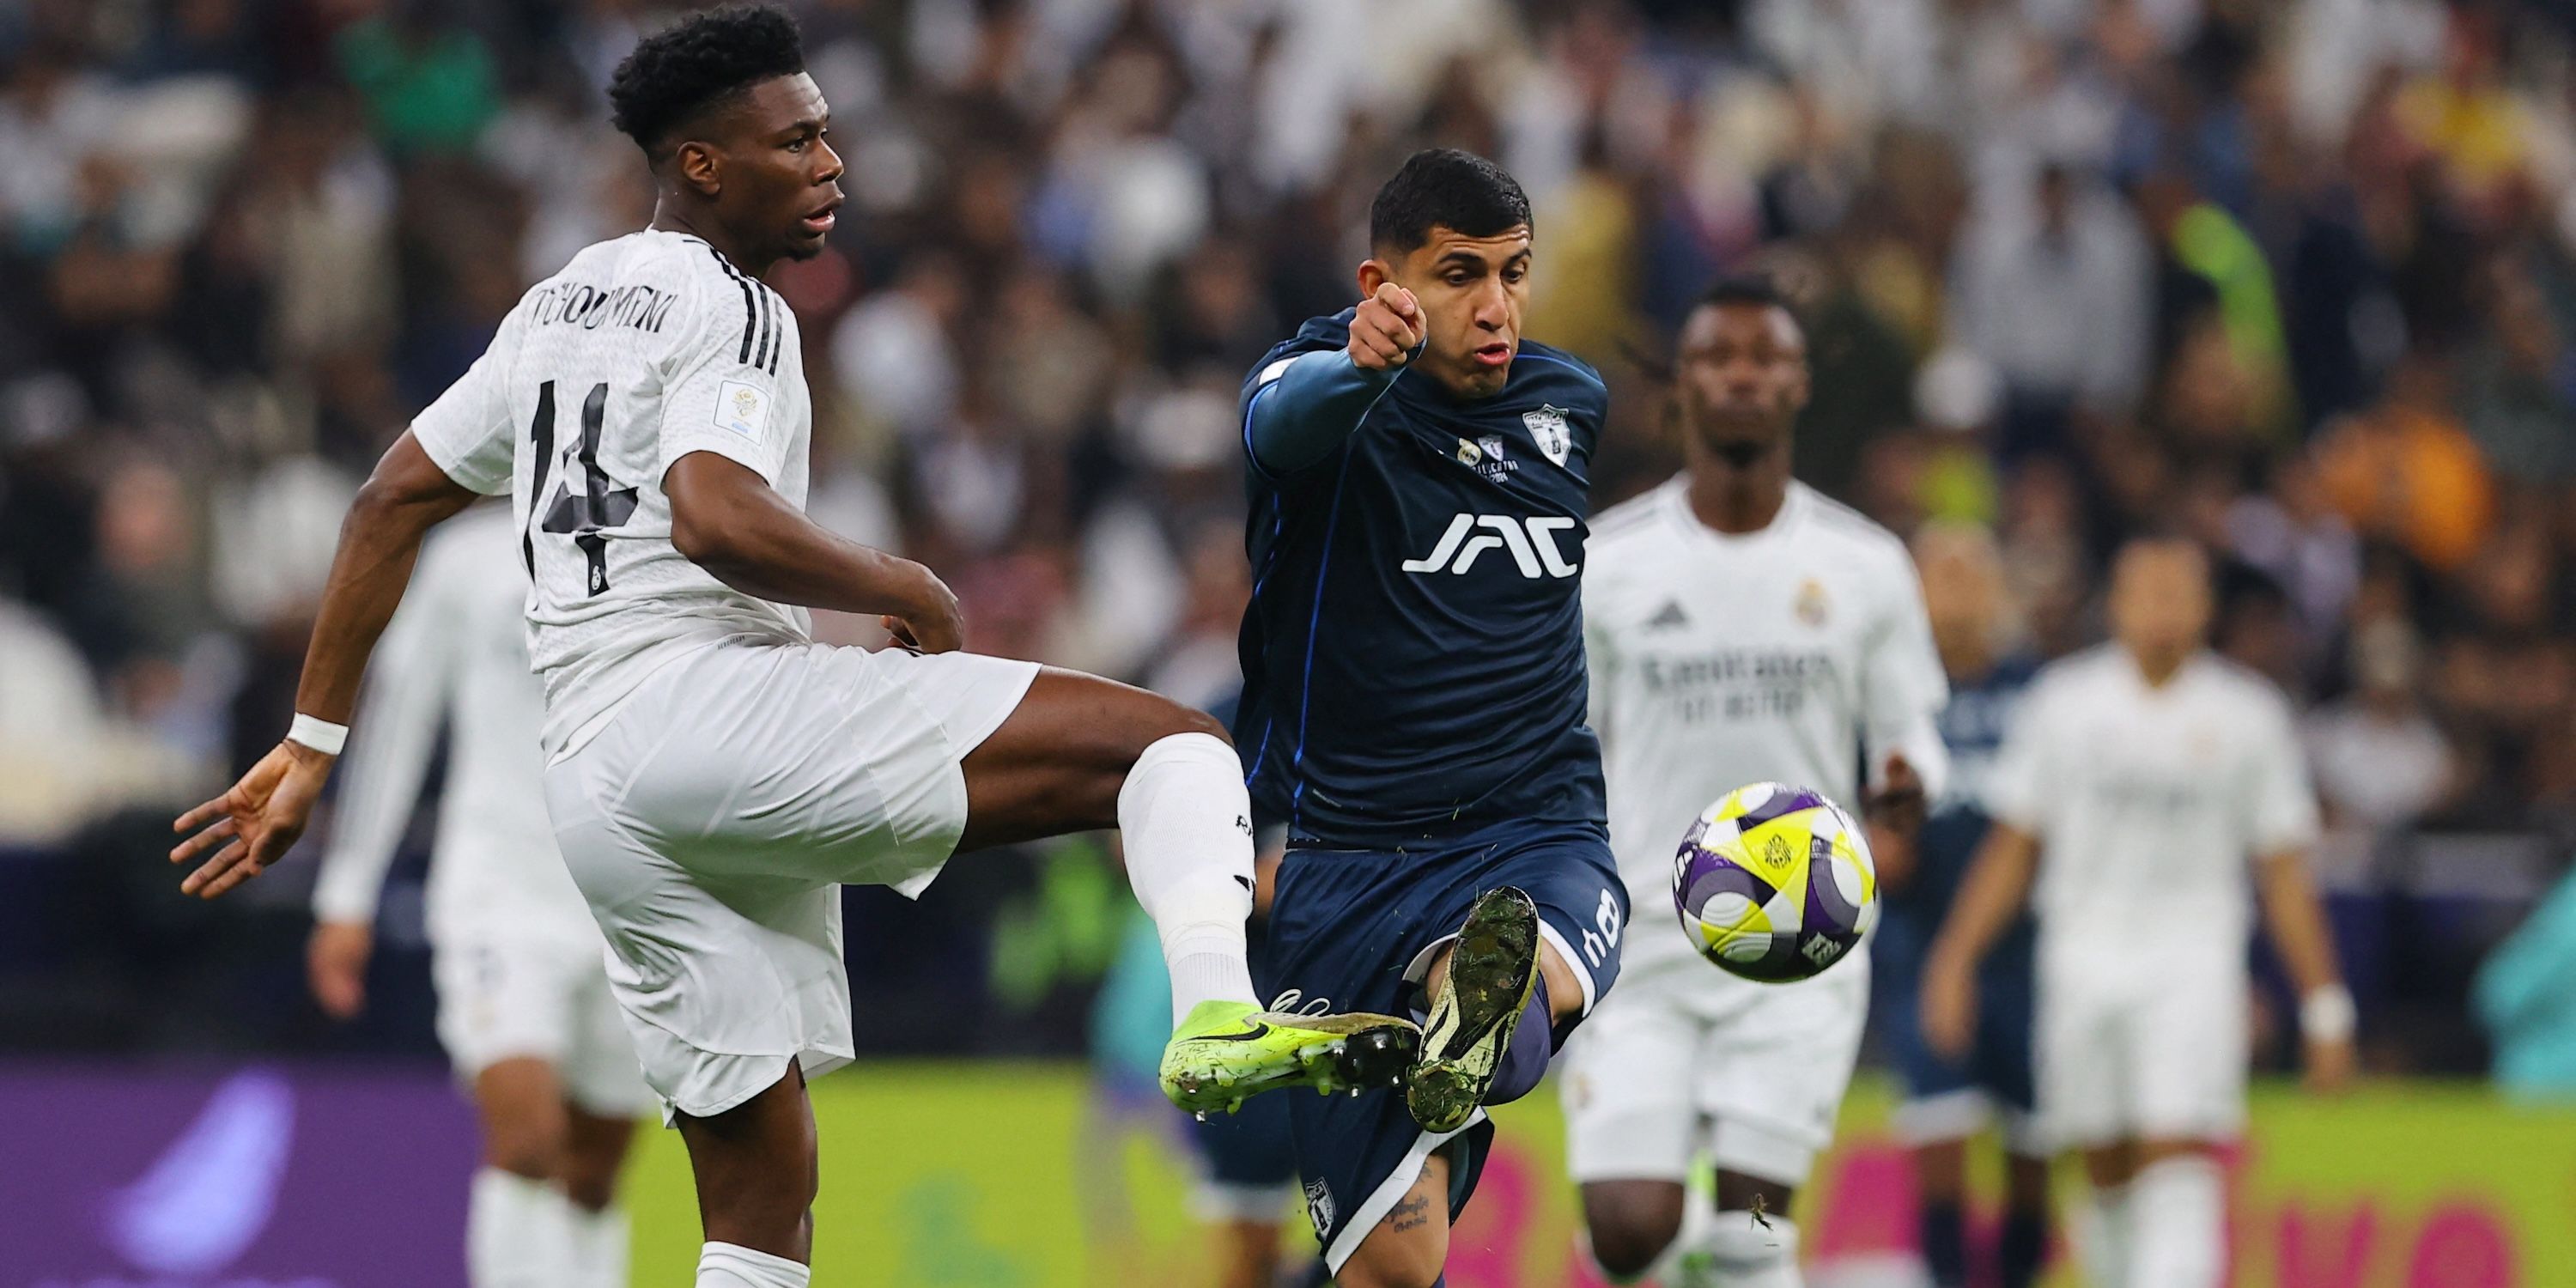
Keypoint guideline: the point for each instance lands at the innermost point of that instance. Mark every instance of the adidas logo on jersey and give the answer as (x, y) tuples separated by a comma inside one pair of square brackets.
[(1669, 617), (1530, 542)]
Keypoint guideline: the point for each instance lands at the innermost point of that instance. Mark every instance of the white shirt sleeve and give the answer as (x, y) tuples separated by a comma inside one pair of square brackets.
[(466, 432), (718, 394), (390, 741), (2283, 804), (2017, 785), (1903, 690)]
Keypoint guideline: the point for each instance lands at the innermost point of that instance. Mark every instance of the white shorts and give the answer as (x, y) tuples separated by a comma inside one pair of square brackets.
[(710, 822), (504, 997), (1751, 1074), (2149, 1055)]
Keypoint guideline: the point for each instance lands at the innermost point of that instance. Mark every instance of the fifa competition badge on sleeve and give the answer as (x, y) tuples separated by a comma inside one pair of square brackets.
[(742, 408)]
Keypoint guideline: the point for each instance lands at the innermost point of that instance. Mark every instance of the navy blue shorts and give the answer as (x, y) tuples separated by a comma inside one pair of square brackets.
[(1998, 1063), (1248, 1149), (1353, 930)]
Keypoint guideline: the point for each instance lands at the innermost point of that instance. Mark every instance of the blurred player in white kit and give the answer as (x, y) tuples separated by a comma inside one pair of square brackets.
[(523, 1003), (1741, 627), (2137, 782)]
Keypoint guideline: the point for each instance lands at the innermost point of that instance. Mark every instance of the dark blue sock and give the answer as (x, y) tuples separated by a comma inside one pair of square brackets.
[(2025, 1248), (1944, 1235), (1525, 1057)]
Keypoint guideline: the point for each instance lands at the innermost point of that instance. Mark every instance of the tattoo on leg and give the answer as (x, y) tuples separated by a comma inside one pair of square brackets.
[(1411, 1214)]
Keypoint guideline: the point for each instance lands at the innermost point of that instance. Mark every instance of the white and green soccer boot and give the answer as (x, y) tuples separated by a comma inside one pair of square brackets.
[(1474, 1010), (1226, 1052)]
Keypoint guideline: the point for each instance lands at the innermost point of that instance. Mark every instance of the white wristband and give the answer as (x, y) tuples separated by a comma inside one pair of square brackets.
[(2327, 1014), (320, 735)]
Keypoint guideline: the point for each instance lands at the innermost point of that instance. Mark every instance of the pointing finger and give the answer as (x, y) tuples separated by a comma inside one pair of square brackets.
[(1405, 305)]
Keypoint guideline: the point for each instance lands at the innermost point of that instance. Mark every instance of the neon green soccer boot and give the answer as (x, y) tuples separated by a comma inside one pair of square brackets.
[(1226, 1052)]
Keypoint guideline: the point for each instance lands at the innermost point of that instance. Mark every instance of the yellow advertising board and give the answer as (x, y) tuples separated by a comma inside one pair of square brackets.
[(1027, 1176)]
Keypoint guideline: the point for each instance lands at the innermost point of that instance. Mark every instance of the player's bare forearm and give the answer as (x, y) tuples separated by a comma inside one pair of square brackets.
[(2296, 917), (379, 541), (729, 521), (1989, 897)]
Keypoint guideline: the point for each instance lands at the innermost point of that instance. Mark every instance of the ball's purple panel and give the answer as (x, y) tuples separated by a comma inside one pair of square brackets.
[(1827, 910), (1781, 804), (1712, 875)]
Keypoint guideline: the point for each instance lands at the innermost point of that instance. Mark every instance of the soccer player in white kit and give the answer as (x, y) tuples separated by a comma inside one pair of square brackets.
[(523, 1003), (2137, 782), (1741, 626), (712, 774)]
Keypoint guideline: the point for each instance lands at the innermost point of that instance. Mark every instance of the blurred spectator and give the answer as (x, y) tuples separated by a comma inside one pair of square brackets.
[(2054, 292), (2405, 471), (2379, 761)]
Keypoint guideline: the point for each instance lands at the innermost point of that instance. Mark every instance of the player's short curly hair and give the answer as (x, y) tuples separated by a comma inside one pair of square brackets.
[(1445, 188), (1758, 289), (697, 62)]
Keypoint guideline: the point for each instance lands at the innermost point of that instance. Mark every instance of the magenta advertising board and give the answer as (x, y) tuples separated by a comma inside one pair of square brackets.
[(254, 1176)]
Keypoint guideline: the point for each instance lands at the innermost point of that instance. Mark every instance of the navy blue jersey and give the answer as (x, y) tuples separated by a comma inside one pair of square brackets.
[(1973, 727), (1413, 652)]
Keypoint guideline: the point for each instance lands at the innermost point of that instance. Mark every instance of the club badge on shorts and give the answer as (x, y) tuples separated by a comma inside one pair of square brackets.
[(1319, 1206)]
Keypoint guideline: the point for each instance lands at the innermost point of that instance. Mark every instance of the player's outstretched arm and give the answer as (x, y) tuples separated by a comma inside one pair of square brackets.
[(1989, 898), (2295, 916), (258, 820), (727, 520), (1303, 408)]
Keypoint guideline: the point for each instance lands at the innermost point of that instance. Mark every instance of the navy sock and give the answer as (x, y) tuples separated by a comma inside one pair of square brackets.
[(1944, 1235), (2025, 1248), (1525, 1057)]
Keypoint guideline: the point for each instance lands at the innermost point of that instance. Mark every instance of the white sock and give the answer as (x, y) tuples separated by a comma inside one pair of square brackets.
[(518, 1232), (599, 1246), (1187, 824), (2177, 1223), (2103, 1234), (724, 1265), (1749, 1253)]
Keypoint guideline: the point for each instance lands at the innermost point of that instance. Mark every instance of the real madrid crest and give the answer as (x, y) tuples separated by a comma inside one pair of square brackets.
[(1812, 605), (1547, 427)]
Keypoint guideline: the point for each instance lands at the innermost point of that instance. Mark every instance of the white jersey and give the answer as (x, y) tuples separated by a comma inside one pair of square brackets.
[(455, 654), (1717, 660), (2148, 804), (642, 350)]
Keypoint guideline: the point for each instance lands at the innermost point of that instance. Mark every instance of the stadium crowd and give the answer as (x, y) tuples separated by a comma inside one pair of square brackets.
[(2298, 278)]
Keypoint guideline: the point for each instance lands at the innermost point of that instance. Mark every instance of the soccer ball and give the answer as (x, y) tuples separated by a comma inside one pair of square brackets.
[(1775, 883)]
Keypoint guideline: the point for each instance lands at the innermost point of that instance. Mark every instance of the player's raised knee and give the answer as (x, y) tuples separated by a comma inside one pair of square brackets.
[(1174, 719)]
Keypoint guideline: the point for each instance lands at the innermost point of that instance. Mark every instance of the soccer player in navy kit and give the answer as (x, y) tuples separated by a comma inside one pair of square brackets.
[(1948, 1101), (1415, 699)]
